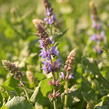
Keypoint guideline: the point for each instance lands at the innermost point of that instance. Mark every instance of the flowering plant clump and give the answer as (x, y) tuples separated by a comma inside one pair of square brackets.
[(55, 68)]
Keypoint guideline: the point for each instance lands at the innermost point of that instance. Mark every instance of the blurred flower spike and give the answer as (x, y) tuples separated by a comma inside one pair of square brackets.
[(50, 16), (99, 33)]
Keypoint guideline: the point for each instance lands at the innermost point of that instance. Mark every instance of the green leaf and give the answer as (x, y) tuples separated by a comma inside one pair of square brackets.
[(1, 99), (42, 100), (57, 37), (93, 68), (40, 76), (18, 103), (38, 106), (35, 93), (45, 87), (11, 84), (104, 103), (9, 32), (4, 107), (39, 92), (87, 92)]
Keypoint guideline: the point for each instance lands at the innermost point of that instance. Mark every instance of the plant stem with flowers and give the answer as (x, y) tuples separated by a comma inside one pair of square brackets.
[(49, 54), (16, 73), (68, 75)]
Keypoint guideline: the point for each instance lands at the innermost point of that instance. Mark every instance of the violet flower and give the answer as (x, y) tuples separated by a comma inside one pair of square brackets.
[(98, 37), (68, 76)]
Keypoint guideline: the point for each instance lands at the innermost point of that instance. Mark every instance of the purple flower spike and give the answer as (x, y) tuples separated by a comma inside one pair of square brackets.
[(48, 52), (51, 18)]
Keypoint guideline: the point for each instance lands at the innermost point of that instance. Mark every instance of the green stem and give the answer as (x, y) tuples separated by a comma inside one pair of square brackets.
[(26, 93), (35, 94), (54, 104), (51, 32), (54, 90), (66, 95), (24, 88)]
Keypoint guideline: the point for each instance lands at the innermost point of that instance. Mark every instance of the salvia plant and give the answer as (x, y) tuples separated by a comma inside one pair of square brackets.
[(75, 81)]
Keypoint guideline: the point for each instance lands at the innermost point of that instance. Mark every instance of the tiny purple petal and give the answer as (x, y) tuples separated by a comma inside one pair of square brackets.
[(41, 44), (51, 40), (62, 75), (45, 54), (48, 11), (93, 37), (96, 25), (54, 51), (56, 65), (98, 49), (50, 20), (70, 76), (47, 67), (92, 17), (102, 35), (98, 37)]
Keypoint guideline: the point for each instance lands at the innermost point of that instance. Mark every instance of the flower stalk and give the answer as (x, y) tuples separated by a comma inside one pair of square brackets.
[(66, 94), (54, 104), (49, 55), (68, 69), (16, 73)]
